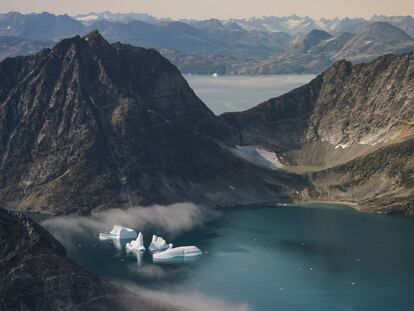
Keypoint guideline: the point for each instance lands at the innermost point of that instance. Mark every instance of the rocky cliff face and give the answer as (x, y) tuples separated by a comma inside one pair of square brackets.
[(37, 275), (351, 120), (90, 125)]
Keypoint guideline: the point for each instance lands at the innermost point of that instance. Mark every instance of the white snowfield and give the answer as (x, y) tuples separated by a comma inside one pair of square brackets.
[(180, 253), (136, 245), (159, 244), (258, 156), (119, 232)]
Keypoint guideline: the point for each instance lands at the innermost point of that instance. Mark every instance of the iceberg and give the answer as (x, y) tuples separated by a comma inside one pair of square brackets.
[(136, 245), (158, 244), (177, 254), (118, 232)]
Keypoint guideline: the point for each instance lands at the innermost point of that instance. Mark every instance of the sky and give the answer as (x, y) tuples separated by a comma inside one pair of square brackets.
[(203, 9)]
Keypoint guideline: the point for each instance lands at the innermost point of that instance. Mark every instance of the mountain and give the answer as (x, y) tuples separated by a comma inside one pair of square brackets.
[(88, 125), (39, 26), (384, 32), (37, 275), (14, 46), (303, 56), (376, 38), (317, 50), (201, 38), (296, 25), (268, 45), (349, 130), (405, 23), (304, 43)]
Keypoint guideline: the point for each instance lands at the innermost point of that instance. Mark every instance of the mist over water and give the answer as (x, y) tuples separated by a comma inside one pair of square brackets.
[(237, 93), (170, 220)]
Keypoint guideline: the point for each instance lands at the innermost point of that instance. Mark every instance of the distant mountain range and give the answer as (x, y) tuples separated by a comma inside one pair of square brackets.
[(268, 45)]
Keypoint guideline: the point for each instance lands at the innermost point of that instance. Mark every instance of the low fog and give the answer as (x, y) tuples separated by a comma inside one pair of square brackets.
[(172, 219), (185, 300)]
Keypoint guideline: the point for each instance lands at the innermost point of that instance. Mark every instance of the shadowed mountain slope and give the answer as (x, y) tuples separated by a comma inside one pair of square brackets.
[(88, 124)]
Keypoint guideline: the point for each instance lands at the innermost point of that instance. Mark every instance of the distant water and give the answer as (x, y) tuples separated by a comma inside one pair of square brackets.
[(317, 258), (236, 93)]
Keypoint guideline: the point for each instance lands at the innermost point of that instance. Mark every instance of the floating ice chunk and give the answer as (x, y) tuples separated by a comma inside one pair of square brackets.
[(177, 253), (119, 232), (136, 245), (158, 244)]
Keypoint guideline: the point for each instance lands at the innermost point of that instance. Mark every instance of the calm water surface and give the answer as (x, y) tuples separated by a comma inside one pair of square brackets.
[(237, 93), (313, 258)]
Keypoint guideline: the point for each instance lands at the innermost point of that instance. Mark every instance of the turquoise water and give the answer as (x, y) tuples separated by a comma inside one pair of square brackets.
[(237, 93), (313, 258)]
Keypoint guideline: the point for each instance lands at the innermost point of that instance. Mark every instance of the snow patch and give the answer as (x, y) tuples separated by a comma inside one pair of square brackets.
[(258, 156), (87, 18), (342, 146)]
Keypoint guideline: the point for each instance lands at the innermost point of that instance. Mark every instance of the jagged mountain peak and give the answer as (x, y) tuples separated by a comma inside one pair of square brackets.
[(94, 38)]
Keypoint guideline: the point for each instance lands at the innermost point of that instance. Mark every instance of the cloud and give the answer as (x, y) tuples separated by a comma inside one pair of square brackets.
[(188, 300), (172, 219)]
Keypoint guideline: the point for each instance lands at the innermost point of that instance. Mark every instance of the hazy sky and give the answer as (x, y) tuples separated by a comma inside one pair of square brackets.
[(202, 9)]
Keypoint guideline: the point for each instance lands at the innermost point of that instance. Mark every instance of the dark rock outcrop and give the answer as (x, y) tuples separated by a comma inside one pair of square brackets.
[(88, 125), (36, 274)]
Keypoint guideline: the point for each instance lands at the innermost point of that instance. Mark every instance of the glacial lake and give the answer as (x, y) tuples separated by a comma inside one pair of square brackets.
[(237, 93), (317, 257)]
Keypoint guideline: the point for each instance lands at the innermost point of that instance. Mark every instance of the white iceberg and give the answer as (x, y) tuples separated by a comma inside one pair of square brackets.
[(158, 244), (177, 254), (136, 245), (119, 232)]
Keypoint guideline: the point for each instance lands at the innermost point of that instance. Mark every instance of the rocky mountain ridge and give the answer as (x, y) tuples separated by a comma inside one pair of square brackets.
[(89, 125), (350, 129)]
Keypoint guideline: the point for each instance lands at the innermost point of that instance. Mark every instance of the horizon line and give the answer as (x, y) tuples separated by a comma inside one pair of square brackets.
[(201, 19)]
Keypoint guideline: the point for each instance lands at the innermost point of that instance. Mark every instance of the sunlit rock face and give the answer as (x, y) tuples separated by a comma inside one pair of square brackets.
[(354, 120)]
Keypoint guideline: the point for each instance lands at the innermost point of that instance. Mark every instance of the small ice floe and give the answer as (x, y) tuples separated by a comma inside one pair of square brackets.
[(118, 232), (177, 254), (136, 245), (281, 204), (158, 244), (215, 75)]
